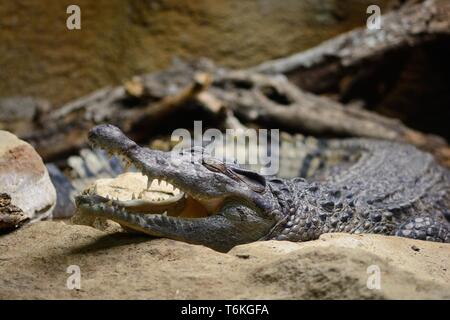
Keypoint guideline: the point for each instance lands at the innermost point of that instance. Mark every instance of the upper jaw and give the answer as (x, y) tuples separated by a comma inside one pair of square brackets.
[(185, 173), (158, 165), (179, 169)]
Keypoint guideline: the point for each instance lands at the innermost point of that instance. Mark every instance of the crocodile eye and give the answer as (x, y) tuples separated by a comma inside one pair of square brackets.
[(252, 179), (214, 165)]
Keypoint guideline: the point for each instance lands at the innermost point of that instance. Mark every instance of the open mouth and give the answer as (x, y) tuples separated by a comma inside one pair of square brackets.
[(196, 200), (140, 193)]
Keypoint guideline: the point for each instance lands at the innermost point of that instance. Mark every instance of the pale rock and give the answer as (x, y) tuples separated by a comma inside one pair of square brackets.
[(24, 177)]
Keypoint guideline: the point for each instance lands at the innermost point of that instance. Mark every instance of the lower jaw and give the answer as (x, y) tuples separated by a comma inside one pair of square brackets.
[(127, 220), (214, 231)]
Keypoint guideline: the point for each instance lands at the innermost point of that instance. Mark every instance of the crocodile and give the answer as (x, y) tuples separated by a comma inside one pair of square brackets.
[(388, 188)]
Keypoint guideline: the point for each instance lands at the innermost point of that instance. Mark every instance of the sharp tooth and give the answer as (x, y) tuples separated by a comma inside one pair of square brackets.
[(154, 183), (107, 196), (163, 184), (164, 213), (140, 195)]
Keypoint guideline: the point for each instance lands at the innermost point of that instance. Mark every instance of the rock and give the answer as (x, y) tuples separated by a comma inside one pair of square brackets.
[(35, 258), (127, 184), (83, 169), (11, 217), (122, 187), (24, 178), (65, 193)]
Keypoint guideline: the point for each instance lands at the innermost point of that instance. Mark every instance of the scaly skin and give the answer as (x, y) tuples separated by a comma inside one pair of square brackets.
[(390, 189)]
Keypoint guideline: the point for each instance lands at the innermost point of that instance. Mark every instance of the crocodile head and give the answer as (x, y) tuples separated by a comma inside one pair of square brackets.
[(224, 205)]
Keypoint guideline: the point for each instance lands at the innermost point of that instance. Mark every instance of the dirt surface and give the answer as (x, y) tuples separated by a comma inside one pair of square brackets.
[(39, 56), (34, 262)]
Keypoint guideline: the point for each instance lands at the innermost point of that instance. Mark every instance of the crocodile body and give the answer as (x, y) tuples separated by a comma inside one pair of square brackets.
[(382, 187), (391, 189)]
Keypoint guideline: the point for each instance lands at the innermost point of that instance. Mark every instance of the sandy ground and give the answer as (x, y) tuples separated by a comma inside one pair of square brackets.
[(35, 259)]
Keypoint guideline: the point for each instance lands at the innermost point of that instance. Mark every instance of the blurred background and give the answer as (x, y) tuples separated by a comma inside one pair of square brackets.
[(122, 38)]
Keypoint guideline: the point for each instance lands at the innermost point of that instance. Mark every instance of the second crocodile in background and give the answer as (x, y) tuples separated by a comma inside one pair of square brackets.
[(391, 189)]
